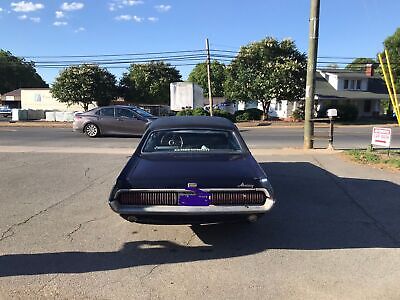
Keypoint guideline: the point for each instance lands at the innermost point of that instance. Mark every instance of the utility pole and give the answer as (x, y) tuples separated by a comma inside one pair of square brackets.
[(209, 77), (311, 68)]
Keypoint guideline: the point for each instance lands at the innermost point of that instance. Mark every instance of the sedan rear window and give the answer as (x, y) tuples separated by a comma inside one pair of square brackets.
[(192, 141)]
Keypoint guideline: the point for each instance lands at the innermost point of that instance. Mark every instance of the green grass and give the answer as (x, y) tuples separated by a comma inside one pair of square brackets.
[(376, 157)]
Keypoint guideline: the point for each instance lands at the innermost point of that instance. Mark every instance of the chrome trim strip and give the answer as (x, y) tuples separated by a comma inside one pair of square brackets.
[(190, 210)]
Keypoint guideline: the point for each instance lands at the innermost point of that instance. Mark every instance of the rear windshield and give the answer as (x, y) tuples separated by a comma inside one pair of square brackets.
[(192, 141)]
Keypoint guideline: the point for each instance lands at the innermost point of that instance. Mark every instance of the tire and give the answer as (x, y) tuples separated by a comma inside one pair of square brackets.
[(91, 130)]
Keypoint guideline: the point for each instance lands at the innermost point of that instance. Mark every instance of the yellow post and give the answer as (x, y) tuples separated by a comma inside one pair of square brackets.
[(389, 88), (393, 85)]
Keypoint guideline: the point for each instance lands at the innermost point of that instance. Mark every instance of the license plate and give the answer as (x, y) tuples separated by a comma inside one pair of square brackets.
[(193, 200)]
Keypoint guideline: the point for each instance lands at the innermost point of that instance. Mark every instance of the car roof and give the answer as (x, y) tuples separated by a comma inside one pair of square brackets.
[(187, 122)]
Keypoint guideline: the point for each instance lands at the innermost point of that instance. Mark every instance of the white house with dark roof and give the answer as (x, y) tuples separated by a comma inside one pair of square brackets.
[(365, 90)]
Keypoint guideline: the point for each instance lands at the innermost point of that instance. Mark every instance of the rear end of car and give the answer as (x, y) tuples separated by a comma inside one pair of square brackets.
[(193, 174), (182, 206)]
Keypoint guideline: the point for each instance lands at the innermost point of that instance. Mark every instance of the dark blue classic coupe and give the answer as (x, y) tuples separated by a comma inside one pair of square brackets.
[(191, 170)]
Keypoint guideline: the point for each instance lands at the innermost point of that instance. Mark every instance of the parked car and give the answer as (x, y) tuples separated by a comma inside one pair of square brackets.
[(113, 120), (191, 169), (5, 111)]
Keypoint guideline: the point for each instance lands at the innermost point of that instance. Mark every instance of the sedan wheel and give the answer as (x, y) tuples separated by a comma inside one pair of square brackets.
[(91, 130)]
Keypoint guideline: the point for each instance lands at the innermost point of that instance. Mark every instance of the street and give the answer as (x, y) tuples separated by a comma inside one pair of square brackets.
[(346, 137), (327, 237)]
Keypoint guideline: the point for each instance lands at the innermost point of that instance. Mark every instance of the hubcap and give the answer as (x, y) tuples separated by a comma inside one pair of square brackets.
[(91, 130)]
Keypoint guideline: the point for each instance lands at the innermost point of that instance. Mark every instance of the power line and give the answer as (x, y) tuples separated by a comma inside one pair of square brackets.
[(114, 55)]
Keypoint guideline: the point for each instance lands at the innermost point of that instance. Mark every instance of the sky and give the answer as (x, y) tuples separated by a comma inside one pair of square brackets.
[(355, 28)]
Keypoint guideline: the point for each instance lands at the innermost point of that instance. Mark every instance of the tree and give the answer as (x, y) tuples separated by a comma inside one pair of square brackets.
[(218, 76), (392, 45), (266, 70), (85, 84), (360, 63), (149, 83), (17, 73)]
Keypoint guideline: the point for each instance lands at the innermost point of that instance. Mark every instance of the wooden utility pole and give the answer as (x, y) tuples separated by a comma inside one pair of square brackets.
[(209, 77), (311, 69)]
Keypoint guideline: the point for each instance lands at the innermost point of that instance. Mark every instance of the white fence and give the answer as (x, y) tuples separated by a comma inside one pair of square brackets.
[(51, 116)]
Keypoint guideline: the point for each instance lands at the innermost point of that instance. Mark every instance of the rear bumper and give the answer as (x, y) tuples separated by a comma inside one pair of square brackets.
[(190, 210), (180, 214)]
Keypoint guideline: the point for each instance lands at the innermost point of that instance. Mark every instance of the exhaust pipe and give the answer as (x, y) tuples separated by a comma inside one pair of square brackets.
[(252, 218)]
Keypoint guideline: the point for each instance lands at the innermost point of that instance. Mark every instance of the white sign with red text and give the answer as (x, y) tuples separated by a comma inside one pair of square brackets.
[(381, 136)]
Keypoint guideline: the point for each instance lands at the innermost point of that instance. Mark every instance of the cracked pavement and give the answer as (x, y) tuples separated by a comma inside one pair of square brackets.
[(334, 234)]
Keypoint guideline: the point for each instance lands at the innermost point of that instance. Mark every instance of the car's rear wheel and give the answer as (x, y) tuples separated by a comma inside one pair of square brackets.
[(92, 130)]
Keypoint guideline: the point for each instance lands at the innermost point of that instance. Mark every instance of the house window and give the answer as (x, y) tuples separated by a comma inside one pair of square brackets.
[(367, 106), (351, 84), (279, 105), (38, 98), (346, 84), (358, 84)]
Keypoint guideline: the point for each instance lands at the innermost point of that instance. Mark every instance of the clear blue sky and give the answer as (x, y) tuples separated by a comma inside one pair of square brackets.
[(348, 28)]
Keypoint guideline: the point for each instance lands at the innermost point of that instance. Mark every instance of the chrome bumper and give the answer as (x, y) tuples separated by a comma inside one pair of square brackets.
[(192, 210), (189, 210)]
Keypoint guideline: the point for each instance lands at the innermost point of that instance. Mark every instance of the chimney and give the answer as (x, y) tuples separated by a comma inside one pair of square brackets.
[(369, 70)]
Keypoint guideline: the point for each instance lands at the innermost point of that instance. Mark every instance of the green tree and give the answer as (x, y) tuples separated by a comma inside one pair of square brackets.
[(266, 70), (218, 77), (360, 63), (149, 83), (17, 73), (392, 45), (85, 84)]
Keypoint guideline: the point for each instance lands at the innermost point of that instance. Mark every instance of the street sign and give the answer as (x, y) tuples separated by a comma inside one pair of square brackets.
[(381, 137)]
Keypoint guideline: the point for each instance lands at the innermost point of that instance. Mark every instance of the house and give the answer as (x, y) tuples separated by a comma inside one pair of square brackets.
[(36, 99), (364, 90), (277, 109)]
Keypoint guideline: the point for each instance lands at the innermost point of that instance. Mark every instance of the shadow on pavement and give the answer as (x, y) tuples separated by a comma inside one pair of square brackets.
[(315, 210)]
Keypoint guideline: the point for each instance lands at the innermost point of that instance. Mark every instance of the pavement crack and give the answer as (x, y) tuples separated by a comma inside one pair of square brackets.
[(9, 232), (47, 283), (190, 239), (149, 273), (375, 221), (70, 234)]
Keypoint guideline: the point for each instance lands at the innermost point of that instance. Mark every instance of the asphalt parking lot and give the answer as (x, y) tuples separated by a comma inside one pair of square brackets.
[(334, 233)]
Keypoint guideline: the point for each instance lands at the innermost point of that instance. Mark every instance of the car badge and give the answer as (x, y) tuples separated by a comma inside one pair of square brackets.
[(192, 185), (243, 185)]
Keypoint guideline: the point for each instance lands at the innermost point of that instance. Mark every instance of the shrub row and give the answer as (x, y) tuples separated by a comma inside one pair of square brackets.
[(239, 116)]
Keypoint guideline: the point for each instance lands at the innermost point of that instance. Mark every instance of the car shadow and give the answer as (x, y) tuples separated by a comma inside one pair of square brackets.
[(315, 210)]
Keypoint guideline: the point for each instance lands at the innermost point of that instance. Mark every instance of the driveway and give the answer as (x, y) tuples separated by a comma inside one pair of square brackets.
[(335, 233)]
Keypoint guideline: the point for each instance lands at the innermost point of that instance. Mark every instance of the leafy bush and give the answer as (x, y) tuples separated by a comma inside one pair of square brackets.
[(199, 111), (185, 112), (298, 114), (224, 114), (346, 112), (248, 114)]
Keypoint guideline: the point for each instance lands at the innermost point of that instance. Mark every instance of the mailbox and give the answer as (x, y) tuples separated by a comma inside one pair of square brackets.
[(331, 113)]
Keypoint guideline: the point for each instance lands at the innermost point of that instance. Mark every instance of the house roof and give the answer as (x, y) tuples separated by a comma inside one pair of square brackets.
[(14, 93), (376, 87)]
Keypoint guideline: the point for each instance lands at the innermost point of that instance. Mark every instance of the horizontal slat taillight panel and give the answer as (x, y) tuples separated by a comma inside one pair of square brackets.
[(170, 198), (238, 198), (148, 198)]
